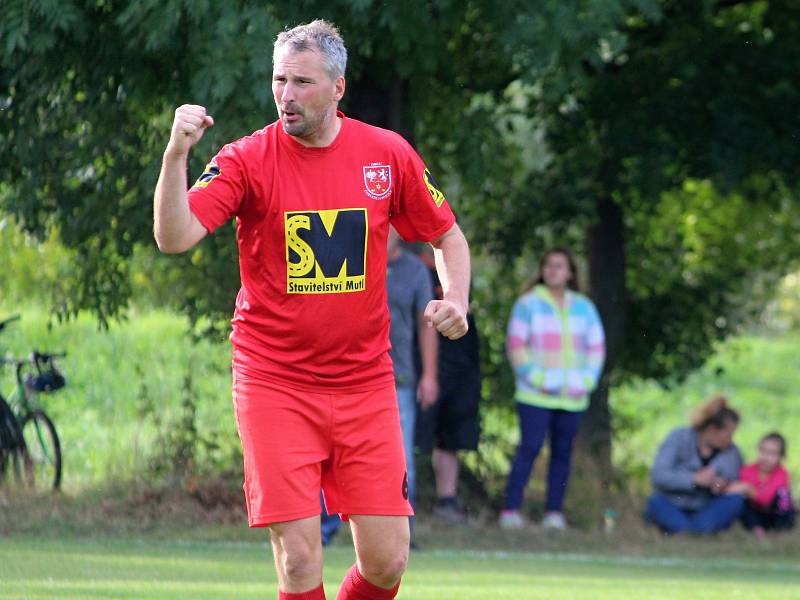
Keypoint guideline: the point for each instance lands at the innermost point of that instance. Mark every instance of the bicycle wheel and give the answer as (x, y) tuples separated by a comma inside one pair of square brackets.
[(5, 451), (9, 440), (15, 463), (43, 467), (20, 466)]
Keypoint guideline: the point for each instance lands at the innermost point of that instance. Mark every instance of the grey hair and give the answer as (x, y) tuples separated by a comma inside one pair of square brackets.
[(318, 35)]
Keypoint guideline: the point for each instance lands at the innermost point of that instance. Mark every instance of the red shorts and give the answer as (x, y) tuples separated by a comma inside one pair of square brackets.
[(295, 441)]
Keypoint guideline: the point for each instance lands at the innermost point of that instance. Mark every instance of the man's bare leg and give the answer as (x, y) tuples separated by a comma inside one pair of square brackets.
[(381, 544), (297, 549), (445, 469)]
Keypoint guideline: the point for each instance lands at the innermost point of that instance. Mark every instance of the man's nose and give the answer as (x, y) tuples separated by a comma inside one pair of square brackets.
[(287, 93)]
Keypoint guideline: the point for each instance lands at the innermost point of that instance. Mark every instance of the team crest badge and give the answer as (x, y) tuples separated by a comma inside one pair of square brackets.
[(378, 180)]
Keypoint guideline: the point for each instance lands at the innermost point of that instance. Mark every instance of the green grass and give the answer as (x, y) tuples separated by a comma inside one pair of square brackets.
[(103, 546), (35, 568), (124, 388), (96, 546), (126, 384)]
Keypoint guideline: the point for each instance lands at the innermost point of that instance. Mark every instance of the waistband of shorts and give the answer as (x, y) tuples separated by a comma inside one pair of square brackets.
[(379, 383)]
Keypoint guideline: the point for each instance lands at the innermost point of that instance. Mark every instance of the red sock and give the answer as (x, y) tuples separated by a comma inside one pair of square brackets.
[(355, 587), (315, 594)]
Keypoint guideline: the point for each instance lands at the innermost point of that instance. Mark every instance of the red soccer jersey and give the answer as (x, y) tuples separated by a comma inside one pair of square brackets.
[(312, 225)]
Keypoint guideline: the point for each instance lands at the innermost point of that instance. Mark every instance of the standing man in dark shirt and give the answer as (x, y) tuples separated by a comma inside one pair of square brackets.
[(409, 289), (453, 422)]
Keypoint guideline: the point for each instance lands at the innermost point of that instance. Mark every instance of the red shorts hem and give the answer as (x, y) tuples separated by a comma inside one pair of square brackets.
[(266, 520), (378, 511)]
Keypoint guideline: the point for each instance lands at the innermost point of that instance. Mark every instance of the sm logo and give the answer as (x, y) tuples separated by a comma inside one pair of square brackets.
[(326, 251)]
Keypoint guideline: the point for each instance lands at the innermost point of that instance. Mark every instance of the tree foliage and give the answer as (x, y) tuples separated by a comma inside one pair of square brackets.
[(538, 117), (689, 117)]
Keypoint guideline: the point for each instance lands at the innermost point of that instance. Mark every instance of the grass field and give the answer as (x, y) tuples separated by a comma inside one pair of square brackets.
[(124, 389), (104, 547), (33, 568), (114, 535)]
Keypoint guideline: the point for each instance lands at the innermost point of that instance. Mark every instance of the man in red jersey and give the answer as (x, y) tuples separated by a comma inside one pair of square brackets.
[(313, 195)]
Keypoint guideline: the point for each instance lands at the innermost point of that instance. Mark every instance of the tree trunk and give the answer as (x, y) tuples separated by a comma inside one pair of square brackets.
[(606, 253), (382, 105)]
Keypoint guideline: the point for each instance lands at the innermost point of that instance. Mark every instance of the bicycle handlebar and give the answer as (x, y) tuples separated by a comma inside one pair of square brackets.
[(10, 319), (35, 358), (36, 355)]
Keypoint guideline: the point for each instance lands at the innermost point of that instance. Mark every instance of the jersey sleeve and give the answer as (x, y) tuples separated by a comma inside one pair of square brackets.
[(420, 212), (217, 194)]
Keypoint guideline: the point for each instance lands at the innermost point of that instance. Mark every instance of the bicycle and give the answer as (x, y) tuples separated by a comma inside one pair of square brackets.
[(29, 443)]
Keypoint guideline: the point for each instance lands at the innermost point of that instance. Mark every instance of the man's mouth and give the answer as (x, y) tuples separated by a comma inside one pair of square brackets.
[(291, 115)]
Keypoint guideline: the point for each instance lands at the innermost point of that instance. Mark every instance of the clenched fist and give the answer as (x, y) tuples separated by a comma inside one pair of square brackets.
[(449, 319), (190, 123)]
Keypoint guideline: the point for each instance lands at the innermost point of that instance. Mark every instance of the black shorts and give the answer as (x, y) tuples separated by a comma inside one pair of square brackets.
[(453, 423)]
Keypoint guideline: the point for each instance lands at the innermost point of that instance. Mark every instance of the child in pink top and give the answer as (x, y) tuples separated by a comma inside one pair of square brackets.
[(765, 484)]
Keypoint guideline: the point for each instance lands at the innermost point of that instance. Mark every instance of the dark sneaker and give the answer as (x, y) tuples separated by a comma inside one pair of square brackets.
[(450, 512)]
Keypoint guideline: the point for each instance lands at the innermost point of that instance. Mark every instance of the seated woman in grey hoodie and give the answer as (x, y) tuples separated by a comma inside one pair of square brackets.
[(692, 470)]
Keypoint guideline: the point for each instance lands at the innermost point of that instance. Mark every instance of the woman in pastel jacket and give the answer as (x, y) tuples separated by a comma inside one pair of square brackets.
[(556, 346)]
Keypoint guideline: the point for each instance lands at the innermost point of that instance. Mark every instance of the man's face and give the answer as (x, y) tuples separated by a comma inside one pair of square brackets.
[(305, 94)]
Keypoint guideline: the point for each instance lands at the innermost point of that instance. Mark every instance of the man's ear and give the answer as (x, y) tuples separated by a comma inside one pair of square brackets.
[(340, 87)]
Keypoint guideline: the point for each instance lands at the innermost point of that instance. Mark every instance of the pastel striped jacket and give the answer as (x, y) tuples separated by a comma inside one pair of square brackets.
[(557, 353)]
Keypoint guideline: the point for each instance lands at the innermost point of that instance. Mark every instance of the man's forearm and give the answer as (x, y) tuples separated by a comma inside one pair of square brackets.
[(453, 266), (170, 204), (175, 227)]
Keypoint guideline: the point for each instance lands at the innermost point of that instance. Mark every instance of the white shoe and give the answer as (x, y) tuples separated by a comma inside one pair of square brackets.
[(554, 521), (511, 519)]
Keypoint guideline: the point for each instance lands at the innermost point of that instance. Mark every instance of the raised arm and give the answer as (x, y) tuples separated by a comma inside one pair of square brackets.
[(175, 226), (449, 315)]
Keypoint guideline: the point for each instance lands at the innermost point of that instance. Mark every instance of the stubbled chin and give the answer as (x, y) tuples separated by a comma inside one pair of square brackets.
[(294, 129)]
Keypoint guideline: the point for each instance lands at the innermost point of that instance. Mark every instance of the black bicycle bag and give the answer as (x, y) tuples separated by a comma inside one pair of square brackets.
[(49, 381)]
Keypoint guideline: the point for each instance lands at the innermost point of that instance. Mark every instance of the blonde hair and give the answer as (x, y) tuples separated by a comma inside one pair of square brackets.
[(713, 412)]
